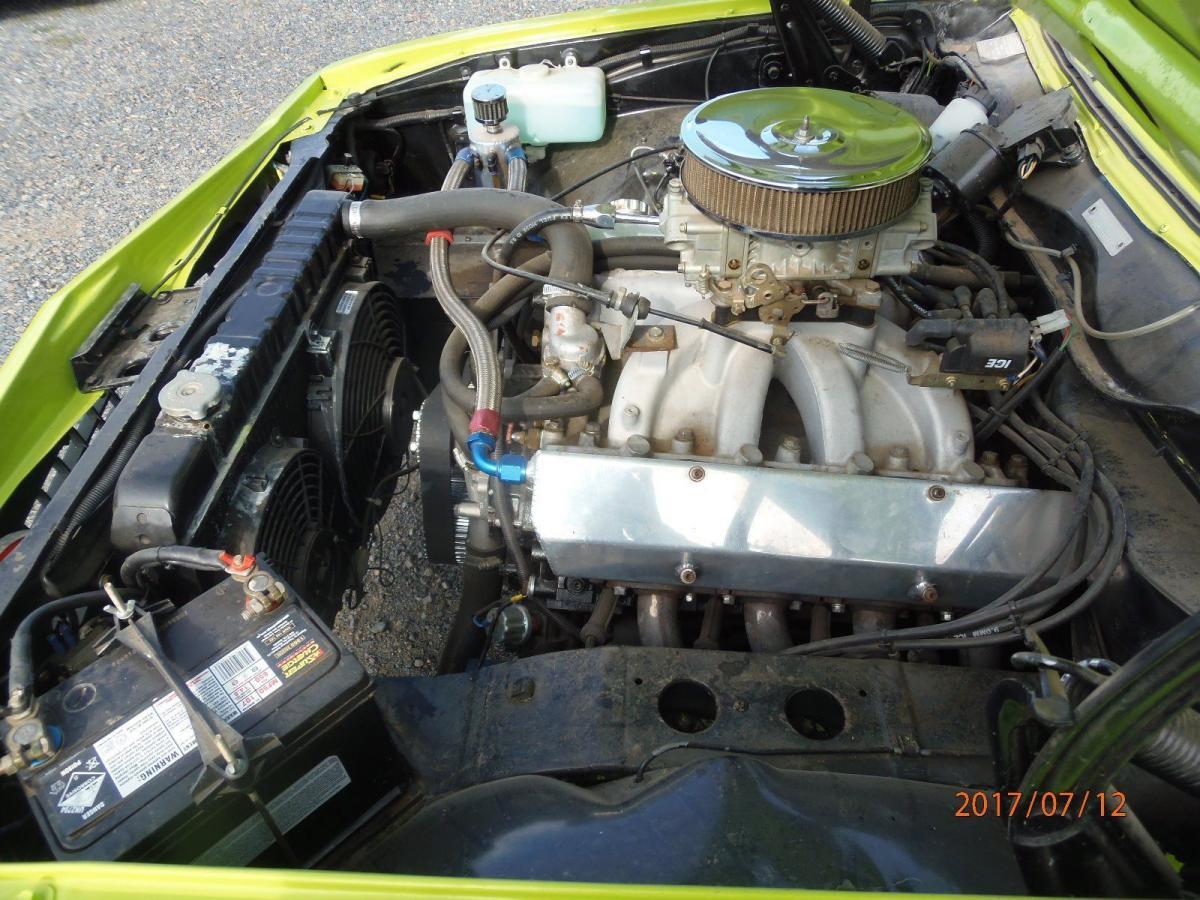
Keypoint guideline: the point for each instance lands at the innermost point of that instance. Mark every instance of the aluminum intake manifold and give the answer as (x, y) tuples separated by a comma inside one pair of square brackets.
[(851, 412)]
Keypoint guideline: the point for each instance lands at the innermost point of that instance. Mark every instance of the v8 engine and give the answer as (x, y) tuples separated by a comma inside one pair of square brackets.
[(770, 428), (764, 429)]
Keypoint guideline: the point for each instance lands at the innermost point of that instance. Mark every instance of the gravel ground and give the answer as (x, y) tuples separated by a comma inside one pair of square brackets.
[(114, 106), (400, 624), (117, 105)]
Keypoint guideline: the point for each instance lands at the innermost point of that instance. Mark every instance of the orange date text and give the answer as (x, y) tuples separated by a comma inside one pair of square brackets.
[(1021, 805)]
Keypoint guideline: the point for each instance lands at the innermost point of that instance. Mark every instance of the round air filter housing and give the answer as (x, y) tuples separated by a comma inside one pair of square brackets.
[(802, 163)]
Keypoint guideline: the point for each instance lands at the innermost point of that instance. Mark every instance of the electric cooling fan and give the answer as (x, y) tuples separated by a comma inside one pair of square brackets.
[(287, 510), (363, 393)]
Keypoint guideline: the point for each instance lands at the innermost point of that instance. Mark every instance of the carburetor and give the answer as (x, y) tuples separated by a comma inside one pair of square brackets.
[(798, 197)]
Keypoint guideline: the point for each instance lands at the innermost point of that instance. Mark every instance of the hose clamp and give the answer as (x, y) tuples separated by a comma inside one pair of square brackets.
[(553, 295), (354, 218), (561, 378)]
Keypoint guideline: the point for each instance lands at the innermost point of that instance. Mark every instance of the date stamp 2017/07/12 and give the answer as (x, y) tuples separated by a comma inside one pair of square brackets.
[(1017, 804)]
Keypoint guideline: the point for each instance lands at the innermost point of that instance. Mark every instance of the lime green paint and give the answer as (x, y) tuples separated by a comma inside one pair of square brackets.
[(111, 881), (1141, 195), (1179, 18), (38, 397), (1120, 45), (39, 401)]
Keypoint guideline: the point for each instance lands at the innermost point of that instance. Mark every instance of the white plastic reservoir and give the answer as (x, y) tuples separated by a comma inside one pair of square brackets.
[(548, 104), (963, 114)]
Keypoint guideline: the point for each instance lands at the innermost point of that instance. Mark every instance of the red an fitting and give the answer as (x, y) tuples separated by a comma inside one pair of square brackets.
[(485, 420), (449, 236)]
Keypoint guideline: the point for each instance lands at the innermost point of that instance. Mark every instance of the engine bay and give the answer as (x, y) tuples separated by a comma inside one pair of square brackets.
[(755, 429)]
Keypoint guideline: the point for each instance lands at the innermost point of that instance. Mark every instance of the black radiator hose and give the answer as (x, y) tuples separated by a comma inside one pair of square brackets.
[(640, 245), (570, 245), (1097, 854), (866, 38)]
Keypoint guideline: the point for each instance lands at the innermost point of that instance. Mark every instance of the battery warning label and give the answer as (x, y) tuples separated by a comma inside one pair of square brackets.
[(79, 791), (161, 734), (138, 750), (148, 743)]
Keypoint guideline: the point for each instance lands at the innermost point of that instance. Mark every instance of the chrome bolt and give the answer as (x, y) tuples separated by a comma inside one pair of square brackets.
[(259, 583), (684, 441), (749, 455), (637, 445)]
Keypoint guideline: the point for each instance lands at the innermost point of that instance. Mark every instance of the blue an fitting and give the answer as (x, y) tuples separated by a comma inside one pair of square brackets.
[(509, 468), (517, 152), (467, 155)]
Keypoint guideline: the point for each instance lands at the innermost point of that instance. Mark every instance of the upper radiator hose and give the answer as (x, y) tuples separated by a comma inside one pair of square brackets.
[(861, 33), (437, 213)]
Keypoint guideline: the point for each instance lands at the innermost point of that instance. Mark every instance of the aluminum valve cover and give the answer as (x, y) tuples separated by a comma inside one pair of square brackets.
[(763, 529)]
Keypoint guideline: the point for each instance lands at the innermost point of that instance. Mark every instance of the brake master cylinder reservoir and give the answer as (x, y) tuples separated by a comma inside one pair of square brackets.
[(548, 104)]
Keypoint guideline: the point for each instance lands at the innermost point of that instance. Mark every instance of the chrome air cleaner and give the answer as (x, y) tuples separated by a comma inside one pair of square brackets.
[(802, 163)]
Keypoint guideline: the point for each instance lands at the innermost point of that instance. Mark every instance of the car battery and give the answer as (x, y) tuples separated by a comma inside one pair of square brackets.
[(120, 787)]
